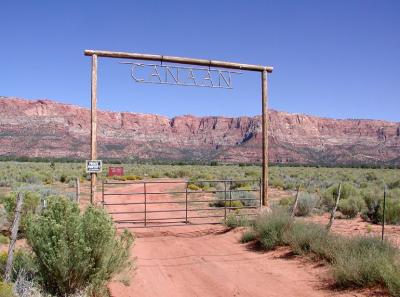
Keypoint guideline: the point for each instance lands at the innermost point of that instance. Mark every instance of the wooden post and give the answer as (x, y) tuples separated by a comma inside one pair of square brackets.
[(264, 138), (78, 190), (93, 133), (328, 227), (383, 215), (295, 201), (14, 233)]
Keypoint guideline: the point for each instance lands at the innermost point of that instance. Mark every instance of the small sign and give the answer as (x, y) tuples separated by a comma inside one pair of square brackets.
[(115, 171), (94, 166)]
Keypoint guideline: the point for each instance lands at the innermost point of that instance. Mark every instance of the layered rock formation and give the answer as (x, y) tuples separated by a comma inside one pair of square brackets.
[(45, 128)]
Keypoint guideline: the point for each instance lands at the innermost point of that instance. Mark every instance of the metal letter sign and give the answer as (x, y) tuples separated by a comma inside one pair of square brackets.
[(181, 75), (94, 166)]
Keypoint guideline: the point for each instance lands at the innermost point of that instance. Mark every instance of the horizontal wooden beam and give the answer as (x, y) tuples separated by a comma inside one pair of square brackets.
[(179, 60)]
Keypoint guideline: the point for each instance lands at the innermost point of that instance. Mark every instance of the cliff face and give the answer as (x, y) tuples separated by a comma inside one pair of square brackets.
[(45, 128)]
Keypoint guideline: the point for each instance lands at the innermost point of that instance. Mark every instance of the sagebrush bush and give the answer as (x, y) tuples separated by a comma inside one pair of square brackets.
[(367, 261), (270, 228), (76, 250), (234, 220), (247, 236), (351, 207), (306, 203)]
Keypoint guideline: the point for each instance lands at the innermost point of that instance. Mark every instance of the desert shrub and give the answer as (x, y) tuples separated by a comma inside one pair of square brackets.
[(23, 261), (306, 203), (245, 198), (6, 290), (329, 195), (308, 238), (193, 187), (277, 183), (394, 184), (392, 213), (4, 239), (351, 207), (372, 199), (367, 261), (370, 176), (270, 228), (234, 220), (247, 236), (286, 202), (76, 250), (133, 177), (30, 178), (31, 205), (63, 178)]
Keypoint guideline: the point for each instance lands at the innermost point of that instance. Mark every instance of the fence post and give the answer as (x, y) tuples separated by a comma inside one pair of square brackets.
[(384, 210), (230, 195), (145, 205), (225, 200), (186, 198), (78, 190), (295, 201), (328, 227), (260, 185), (14, 233), (102, 193)]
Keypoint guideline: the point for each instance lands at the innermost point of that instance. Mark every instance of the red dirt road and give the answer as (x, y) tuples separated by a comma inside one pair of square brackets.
[(202, 264), (209, 261)]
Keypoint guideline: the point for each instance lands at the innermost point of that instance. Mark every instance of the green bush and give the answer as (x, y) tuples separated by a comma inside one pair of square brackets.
[(286, 201), (133, 177), (351, 207), (193, 187), (270, 228), (23, 261), (329, 195), (306, 203), (247, 236), (392, 213), (76, 250), (367, 262), (4, 239), (6, 290), (233, 221), (31, 205)]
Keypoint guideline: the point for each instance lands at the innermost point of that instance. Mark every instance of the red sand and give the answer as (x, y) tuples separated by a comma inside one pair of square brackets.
[(208, 260)]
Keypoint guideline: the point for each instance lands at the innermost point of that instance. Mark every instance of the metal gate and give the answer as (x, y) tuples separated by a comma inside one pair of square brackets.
[(140, 204)]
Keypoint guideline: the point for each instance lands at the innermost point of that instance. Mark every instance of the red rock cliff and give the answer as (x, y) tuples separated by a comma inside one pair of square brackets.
[(45, 128)]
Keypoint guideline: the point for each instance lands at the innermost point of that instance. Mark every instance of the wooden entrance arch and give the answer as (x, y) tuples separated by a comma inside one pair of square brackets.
[(264, 70)]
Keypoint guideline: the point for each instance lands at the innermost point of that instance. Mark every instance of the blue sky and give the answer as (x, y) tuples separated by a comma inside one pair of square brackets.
[(331, 58)]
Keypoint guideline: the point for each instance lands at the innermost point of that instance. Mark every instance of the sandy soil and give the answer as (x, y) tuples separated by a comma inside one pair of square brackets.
[(208, 260)]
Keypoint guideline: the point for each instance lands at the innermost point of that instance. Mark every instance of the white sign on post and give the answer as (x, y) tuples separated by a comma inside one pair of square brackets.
[(94, 166)]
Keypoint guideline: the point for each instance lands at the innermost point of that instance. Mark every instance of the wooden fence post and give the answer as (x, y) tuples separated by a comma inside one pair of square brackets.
[(383, 215), (295, 201), (78, 190), (14, 233), (328, 227)]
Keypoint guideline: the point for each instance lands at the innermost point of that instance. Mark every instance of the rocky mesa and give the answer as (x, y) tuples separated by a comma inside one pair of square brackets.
[(45, 128)]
